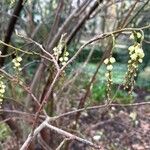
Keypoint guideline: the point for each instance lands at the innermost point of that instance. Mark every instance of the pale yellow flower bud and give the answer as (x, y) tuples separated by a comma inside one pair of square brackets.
[(131, 48), (14, 60), (55, 53), (2, 91), (106, 61), (17, 64), (63, 63), (112, 60), (107, 75), (109, 67), (139, 35), (129, 61), (59, 47), (65, 58), (19, 69), (61, 59), (55, 49), (19, 59), (140, 60), (131, 36), (140, 52), (59, 52), (66, 54), (141, 55), (133, 56), (3, 86), (134, 65)]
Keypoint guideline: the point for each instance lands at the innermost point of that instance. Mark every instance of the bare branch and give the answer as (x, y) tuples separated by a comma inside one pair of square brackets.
[(62, 143), (101, 106), (35, 133), (71, 136), (11, 27)]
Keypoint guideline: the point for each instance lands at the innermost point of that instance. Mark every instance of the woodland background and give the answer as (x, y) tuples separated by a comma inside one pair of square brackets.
[(31, 29)]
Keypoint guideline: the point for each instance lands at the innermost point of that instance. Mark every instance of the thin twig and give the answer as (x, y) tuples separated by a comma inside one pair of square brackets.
[(99, 107), (17, 112), (30, 137), (71, 136), (62, 143), (102, 36)]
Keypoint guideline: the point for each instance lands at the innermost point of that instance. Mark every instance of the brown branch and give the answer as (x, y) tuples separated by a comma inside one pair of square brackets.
[(101, 106), (63, 27), (42, 142), (30, 137), (81, 22), (20, 113), (10, 28), (129, 13), (62, 143), (56, 22), (137, 13)]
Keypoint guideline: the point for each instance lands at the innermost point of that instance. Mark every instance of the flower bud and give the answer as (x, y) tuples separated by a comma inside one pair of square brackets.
[(106, 61), (112, 60), (109, 67)]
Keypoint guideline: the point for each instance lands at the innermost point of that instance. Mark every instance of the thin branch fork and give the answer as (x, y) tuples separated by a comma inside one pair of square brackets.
[(71, 136), (59, 131), (31, 136)]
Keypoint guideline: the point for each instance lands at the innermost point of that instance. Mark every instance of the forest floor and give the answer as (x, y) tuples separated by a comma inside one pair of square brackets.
[(120, 128)]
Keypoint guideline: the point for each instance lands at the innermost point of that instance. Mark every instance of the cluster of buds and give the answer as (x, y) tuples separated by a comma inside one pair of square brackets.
[(108, 62), (64, 58), (136, 54), (16, 61), (58, 49), (2, 90), (59, 54)]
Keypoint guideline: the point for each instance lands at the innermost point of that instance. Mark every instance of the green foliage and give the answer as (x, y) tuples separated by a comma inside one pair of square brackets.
[(119, 96), (123, 97), (4, 131), (97, 54), (98, 92)]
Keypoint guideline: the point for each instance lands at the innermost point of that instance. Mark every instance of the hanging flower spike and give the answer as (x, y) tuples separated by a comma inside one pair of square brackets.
[(108, 62), (58, 51), (136, 54), (2, 90), (17, 63)]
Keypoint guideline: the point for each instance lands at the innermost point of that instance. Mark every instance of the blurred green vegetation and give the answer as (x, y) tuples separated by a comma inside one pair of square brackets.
[(99, 87), (4, 131), (119, 96)]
